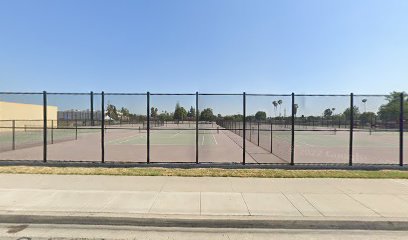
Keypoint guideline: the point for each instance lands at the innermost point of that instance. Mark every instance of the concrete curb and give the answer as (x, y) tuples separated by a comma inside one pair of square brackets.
[(386, 225)]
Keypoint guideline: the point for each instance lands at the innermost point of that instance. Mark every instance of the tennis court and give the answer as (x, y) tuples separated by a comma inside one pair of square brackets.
[(214, 145), (321, 128), (123, 144), (332, 146), (167, 138)]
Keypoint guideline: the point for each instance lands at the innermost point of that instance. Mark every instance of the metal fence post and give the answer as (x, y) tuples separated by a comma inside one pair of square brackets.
[(92, 109), (292, 149), (271, 136), (401, 129), (244, 128), (258, 133), (52, 131), (45, 126), (76, 129), (196, 113), (351, 129), (103, 127), (14, 134), (148, 128)]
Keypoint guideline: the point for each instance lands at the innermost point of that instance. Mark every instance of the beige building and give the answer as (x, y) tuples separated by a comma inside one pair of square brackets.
[(25, 116)]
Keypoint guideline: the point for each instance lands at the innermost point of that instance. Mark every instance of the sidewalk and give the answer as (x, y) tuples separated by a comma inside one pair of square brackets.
[(204, 198)]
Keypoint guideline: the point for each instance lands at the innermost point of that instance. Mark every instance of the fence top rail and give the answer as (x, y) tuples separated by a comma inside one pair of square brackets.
[(371, 95), (68, 93), (20, 93), (220, 94), (204, 94), (268, 95), (322, 95), (126, 94), (172, 94)]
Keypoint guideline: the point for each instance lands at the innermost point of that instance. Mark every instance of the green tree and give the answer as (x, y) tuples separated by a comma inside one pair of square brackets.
[(295, 108), (165, 116), (391, 110), (111, 112), (275, 106), (347, 114), (207, 115), (327, 113), (280, 107), (191, 113), (179, 113), (153, 112), (260, 116), (366, 117), (124, 112), (236, 117), (250, 118)]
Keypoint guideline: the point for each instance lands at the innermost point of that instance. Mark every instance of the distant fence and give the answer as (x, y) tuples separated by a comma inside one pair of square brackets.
[(277, 123)]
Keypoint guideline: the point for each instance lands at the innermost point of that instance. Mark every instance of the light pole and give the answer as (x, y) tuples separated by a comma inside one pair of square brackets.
[(365, 102)]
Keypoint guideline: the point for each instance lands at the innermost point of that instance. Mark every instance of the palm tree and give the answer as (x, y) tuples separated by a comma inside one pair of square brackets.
[(280, 107), (333, 109), (296, 106), (275, 106), (365, 102)]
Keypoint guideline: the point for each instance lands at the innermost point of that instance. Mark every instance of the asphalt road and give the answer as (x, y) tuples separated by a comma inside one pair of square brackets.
[(27, 232)]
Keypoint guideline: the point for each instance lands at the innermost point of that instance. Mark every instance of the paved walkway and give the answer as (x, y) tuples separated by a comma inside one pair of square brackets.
[(178, 196)]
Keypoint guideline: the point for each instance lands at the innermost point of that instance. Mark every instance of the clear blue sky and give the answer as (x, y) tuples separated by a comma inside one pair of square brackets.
[(208, 46)]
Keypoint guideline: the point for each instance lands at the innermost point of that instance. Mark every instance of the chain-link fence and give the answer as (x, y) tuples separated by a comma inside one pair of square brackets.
[(204, 128)]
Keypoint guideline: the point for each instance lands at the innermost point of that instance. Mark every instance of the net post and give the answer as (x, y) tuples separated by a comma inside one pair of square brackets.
[(196, 128), (45, 126), (13, 123), (92, 109), (401, 131), (244, 127), (103, 127), (292, 149), (148, 128), (351, 129)]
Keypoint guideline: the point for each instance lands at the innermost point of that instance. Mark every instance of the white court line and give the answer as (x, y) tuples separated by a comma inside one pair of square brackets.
[(175, 134), (130, 139), (216, 143), (298, 141), (306, 144), (125, 139), (119, 139)]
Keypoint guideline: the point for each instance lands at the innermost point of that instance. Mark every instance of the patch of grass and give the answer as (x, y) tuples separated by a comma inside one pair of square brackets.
[(206, 172)]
